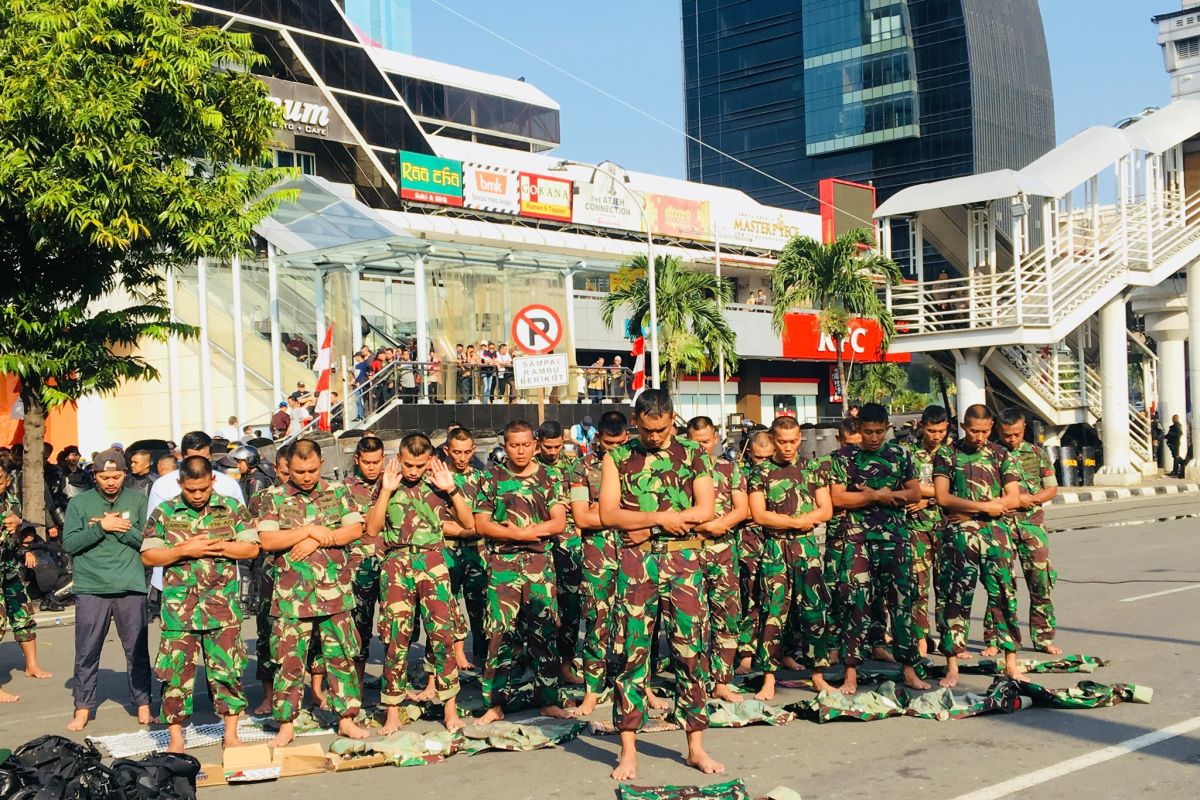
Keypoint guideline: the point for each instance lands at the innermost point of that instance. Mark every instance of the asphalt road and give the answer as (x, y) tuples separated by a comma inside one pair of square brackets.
[(1129, 591)]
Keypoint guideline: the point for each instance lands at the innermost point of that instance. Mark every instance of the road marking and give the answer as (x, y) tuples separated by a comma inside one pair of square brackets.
[(1160, 594), (1081, 762)]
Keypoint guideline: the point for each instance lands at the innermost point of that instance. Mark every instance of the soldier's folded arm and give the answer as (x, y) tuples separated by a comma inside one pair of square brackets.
[(585, 513), (770, 519), (704, 500), (824, 506), (557, 524), (611, 513), (275, 540), (911, 493), (489, 528), (1012, 495), (723, 524), (952, 503), (351, 529), (463, 519), (847, 500)]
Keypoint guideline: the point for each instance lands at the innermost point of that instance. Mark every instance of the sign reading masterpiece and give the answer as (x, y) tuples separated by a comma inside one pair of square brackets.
[(428, 179)]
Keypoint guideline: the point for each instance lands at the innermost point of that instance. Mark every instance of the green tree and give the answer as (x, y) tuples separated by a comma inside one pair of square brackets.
[(125, 135), (879, 382), (692, 330), (842, 279)]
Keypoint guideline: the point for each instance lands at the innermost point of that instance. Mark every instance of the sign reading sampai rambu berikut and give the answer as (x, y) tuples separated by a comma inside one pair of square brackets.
[(429, 179)]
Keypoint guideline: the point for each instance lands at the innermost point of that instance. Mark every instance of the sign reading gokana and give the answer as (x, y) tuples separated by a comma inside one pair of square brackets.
[(306, 111), (428, 179), (544, 197)]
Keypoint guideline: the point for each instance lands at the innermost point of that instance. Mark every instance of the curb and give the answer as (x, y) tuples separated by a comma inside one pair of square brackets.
[(1090, 496), (55, 619)]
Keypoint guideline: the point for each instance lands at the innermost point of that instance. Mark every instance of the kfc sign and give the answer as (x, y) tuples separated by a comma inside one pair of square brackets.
[(802, 338)]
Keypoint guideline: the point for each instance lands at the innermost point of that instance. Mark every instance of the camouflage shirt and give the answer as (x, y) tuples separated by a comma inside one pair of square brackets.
[(10, 503), (565, 464), (320, 584), (585, 478), (659, 480), (1037, 473), (199, 594), (364, 494), (789, 489), (978, 476), (889, 467), (415, 514), (929, 517), (468, 483), (831, 469), (727, 479), (523, 501)]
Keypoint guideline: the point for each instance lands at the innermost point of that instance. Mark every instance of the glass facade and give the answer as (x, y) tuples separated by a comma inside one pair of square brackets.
[(440, 105), (383, 23)]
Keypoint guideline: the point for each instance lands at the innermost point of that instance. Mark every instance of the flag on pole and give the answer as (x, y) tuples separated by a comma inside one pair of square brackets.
[(639, 366), (323, 368)]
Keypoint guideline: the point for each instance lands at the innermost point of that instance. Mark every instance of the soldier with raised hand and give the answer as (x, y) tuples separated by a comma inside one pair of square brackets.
[(601, 547), (977, 483), (311, 524), (925, 521), (750, 547), (15, 609), (567, 551), (718, 557), (520, 508), (1028, 530), (198, 538), (836, 568), (417, 498), (789, 499), (655, 490), (879, 484), (464, 552), (364, 488)]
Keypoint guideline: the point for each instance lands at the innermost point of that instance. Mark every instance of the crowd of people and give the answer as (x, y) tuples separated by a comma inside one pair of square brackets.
[(569, 552)]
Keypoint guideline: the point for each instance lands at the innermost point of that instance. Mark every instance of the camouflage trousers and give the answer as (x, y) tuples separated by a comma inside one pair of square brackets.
[(926, 558), (367, 594), (879, 576), (469, 578), (18, 611), (416, 583), (568, 570), (794, 593), (521, 597), (750, 545), (291, 640), (837, 585), (720, 565), (1032, 545), (672, 583), (600, 616), (971, 551), (224, 661)]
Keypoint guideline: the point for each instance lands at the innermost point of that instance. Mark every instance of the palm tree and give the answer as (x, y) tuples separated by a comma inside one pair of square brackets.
[(842, 279), (879, 382), (692, 330)]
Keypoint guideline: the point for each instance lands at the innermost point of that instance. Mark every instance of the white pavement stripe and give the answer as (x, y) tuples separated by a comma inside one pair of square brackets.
[(1082, 762), (1160, 594)]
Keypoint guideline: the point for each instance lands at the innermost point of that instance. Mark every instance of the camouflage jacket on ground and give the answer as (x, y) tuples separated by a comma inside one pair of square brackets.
[(415, 514), (789, 489), (522, 500), (889, 467), (929, 517), (320, 584), (565, 464), (199, 594), (1037, 473), (978, 476), (659, 480), (364, 495)]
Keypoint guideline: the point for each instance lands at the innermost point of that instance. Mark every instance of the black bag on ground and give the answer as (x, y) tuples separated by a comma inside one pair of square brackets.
[(158, 776), (56, 768)]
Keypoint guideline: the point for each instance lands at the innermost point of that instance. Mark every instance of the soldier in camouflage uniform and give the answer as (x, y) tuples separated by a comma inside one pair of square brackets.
[(465, 556), (789, 498), (1028, 529), (16, 611), (364, 488), (519, 509), (417, 498), (655, 490), (925, 520), (567, 551), (265, 665), (197, 538), (311, 524), (875, 491), (977, 483), (759, 448), (601, 547), (836, 543), (718, 558)]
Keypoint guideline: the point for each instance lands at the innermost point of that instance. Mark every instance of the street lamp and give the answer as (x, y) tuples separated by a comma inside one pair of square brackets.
[(561, 166)]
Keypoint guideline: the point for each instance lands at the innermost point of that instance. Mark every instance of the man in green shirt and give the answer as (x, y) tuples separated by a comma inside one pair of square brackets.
[(103, 534), (925, 521), (567, 551), (465, 553)]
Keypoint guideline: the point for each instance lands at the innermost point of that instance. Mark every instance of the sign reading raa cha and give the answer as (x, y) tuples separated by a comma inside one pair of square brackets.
[(802, 338), (428, 179)]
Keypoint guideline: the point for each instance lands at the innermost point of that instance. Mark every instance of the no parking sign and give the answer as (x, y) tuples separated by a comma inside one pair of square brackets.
[(537, 329)]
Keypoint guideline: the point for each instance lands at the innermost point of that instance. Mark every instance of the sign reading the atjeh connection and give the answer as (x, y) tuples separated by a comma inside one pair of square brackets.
[(428, 179)]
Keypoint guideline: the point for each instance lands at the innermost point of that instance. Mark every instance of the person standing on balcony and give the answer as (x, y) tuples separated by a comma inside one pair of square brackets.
[(760, 299), (504, 373), (616, 380), (473, 364), (462, 374), (487, 373), (280, 421), (433, 373), (408, 377), (597, 378)]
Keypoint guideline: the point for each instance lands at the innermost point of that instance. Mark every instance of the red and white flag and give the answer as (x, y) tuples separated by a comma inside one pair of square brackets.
[(639, 366), (324, 369)]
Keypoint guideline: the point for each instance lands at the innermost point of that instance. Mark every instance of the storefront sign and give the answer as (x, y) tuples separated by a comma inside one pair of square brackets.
[(306, 112), (757, 227), (490, 188), (802, 338), (835, 385), (544, 197), (428, 179), (677, 218), (608, 202)]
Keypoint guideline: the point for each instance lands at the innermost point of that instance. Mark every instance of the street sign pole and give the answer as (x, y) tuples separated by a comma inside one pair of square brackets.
[(541, 405)]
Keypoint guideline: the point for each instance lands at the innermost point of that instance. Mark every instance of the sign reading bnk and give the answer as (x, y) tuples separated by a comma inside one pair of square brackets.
[(429, 179)]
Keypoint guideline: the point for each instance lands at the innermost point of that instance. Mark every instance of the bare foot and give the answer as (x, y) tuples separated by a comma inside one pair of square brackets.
[(820, 684), (493, 714), (450, 718), (965, 656), (557, 712), (570, 676), (588, 706), (391, 722), (792, 664), (460, 656), (425, 695), (1049, 648), (655, 702), (767, 692), (723, 691), (9, 697), (881, 653), (951, 679), (34, 671), (233, 741), (704, 762), (911, 680), (79, 721), (143, 715), (849, 686), (743, 666), (286, 735), (1012, 670), (626, 769), (264, 708), (175, 739), (352, 730), (989, 652)]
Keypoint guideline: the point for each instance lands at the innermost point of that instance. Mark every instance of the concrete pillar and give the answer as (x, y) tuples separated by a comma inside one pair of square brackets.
[(276, 329), (968, 380), (206, 383), (1114, 374), (1193, 299), (239, 355), (422, 320), (1172, 387), (1168, 322)]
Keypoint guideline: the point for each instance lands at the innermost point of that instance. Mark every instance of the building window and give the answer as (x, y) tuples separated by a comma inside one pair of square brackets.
[(307, 162), (1188, 48)]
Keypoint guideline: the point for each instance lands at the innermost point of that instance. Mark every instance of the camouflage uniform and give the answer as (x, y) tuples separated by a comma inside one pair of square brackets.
[(521, 585), (600, 565), (416, 581), (749, 552), (652, 576), (17, 611), (835, 565), (465, 558), (568, 569), (879, 554), (313, 594), (976, 547), (265, 664), (201, 610), (926, 537), (792, 574), (1032, 543), (366, 566), (718, 559)]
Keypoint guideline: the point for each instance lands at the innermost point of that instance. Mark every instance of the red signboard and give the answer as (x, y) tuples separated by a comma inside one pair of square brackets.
[(544, 197), (802, 338), (845, 206), (678, 218)]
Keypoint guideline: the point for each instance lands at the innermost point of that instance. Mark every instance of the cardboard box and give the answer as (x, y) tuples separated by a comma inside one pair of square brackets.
[(255, 763)]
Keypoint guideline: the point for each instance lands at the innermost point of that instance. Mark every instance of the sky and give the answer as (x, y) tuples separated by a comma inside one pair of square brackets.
[(1105, 64)]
